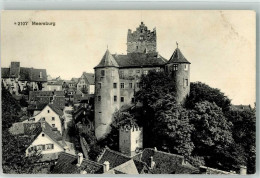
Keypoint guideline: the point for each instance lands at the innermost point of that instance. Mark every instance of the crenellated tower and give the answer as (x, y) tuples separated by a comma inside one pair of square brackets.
[(106, 93), (142, 40), (179, 68)]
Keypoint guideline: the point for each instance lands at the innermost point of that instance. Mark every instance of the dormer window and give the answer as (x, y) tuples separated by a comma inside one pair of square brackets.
[(40, 75), (175, 67)]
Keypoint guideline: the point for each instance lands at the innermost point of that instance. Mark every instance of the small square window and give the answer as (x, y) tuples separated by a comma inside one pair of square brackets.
[(137, 71), (114, 85), (99, 85), (99, 98), (43, 118), (186, 67), (112, 73), (53, 118), (121, 73), (186, 82), (130, 85), (102, 73), (175, 67), (115, 98), (122, 99), (48, 111), (145, 72), (53, 125), (137, 85), (122, 85), (133, 100)]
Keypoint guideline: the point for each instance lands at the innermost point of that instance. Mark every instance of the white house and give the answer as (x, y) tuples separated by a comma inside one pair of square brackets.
[(52, 115)]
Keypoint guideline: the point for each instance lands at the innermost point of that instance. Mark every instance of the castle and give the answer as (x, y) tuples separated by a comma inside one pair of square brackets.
[(117, 76)]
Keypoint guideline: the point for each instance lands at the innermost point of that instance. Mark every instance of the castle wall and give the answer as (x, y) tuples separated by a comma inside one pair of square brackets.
[(104, 99)]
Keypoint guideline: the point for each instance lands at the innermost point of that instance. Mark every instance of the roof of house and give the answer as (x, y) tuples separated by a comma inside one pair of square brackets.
[(177, 57), (208, 170), (14, 69), (121, 163), (55, 82), (139, 60), (5, 72), (90, 77), (56, 109), (165, 163), (67, 164), (107, 61), (240, 107)]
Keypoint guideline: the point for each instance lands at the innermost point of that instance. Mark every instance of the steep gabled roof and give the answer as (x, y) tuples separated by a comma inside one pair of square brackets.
[(113, 157), (107, 61), (56, 109), (5, 72), (90, 77), (139, 60), (67, 164), (166, 163), (177, 57)]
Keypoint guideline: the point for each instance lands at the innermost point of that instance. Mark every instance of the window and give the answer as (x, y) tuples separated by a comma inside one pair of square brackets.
[(43, 118), (122, 99), (186, 67), (130, 72), (157, 69), (137, 85), (115, 98), (99, 85), (122, 85), (53, 118), (133, 100), (40, 75), (49, 146), (99, 98), (136, 47), (48, 111), (137, 71), (112, 73), (145, 72), (53, 125), (114, 85), (43, 134), (186, 82), (121, 74), (102, 73), (33, 119), (175, 67), (130, 85)]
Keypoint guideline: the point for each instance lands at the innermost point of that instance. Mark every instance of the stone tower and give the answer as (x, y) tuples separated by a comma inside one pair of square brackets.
[(142, 40), (130, 139), (179, 67), (106, 93)]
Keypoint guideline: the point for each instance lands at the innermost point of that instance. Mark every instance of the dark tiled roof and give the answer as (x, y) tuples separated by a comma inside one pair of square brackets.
[(177, 57), (5, 72), (166, 163), (56, 109), (139, 60), (240, 107), (67, 164), (36, 106), (15, 69), (25, 74), (107, 61), (55, 82), (35, 76), (113, 157), (90, 77)]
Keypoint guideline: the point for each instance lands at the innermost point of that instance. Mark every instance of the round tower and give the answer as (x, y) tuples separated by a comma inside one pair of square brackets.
[(107, 93), (179, 68)]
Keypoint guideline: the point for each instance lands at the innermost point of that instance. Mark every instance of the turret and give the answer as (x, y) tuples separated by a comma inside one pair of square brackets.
[(130, 139), (106, 93), (179, 68)]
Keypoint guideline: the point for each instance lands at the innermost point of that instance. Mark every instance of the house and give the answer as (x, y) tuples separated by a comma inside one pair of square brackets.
[(86, 83), (72, 164), (52, 114), (45, 97), (118, 163), (54, 85), (45, 140), (18, 79), (117, 76)]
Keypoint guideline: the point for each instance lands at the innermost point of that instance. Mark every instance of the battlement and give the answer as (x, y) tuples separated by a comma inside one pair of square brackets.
[(132, 128)]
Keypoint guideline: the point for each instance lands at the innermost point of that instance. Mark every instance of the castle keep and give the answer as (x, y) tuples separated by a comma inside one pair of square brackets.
[(117, 77)]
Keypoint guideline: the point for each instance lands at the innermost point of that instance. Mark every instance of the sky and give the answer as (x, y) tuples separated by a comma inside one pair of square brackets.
[(221, 45)]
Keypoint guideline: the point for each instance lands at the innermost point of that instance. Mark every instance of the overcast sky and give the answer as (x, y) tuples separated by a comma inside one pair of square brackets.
[(219, 44)]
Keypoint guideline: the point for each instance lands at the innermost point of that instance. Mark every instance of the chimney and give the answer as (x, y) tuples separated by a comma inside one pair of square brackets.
[(152, 163), (155, 149), (80, 159), (106, 166), (243, 170)]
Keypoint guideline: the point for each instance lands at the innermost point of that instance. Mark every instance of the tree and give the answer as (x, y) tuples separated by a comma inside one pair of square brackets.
[(201, 92), (212, 136)]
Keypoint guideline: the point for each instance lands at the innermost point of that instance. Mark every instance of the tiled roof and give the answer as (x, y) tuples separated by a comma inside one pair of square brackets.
[(90, 77), (67, 164), (5, 72), (56, 109), (15, 69), (113, 157), (128, 167), (139, 60), (177, 57), (240, 107), (166, 163), (107, 61), (55, 82), (25, 74)]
